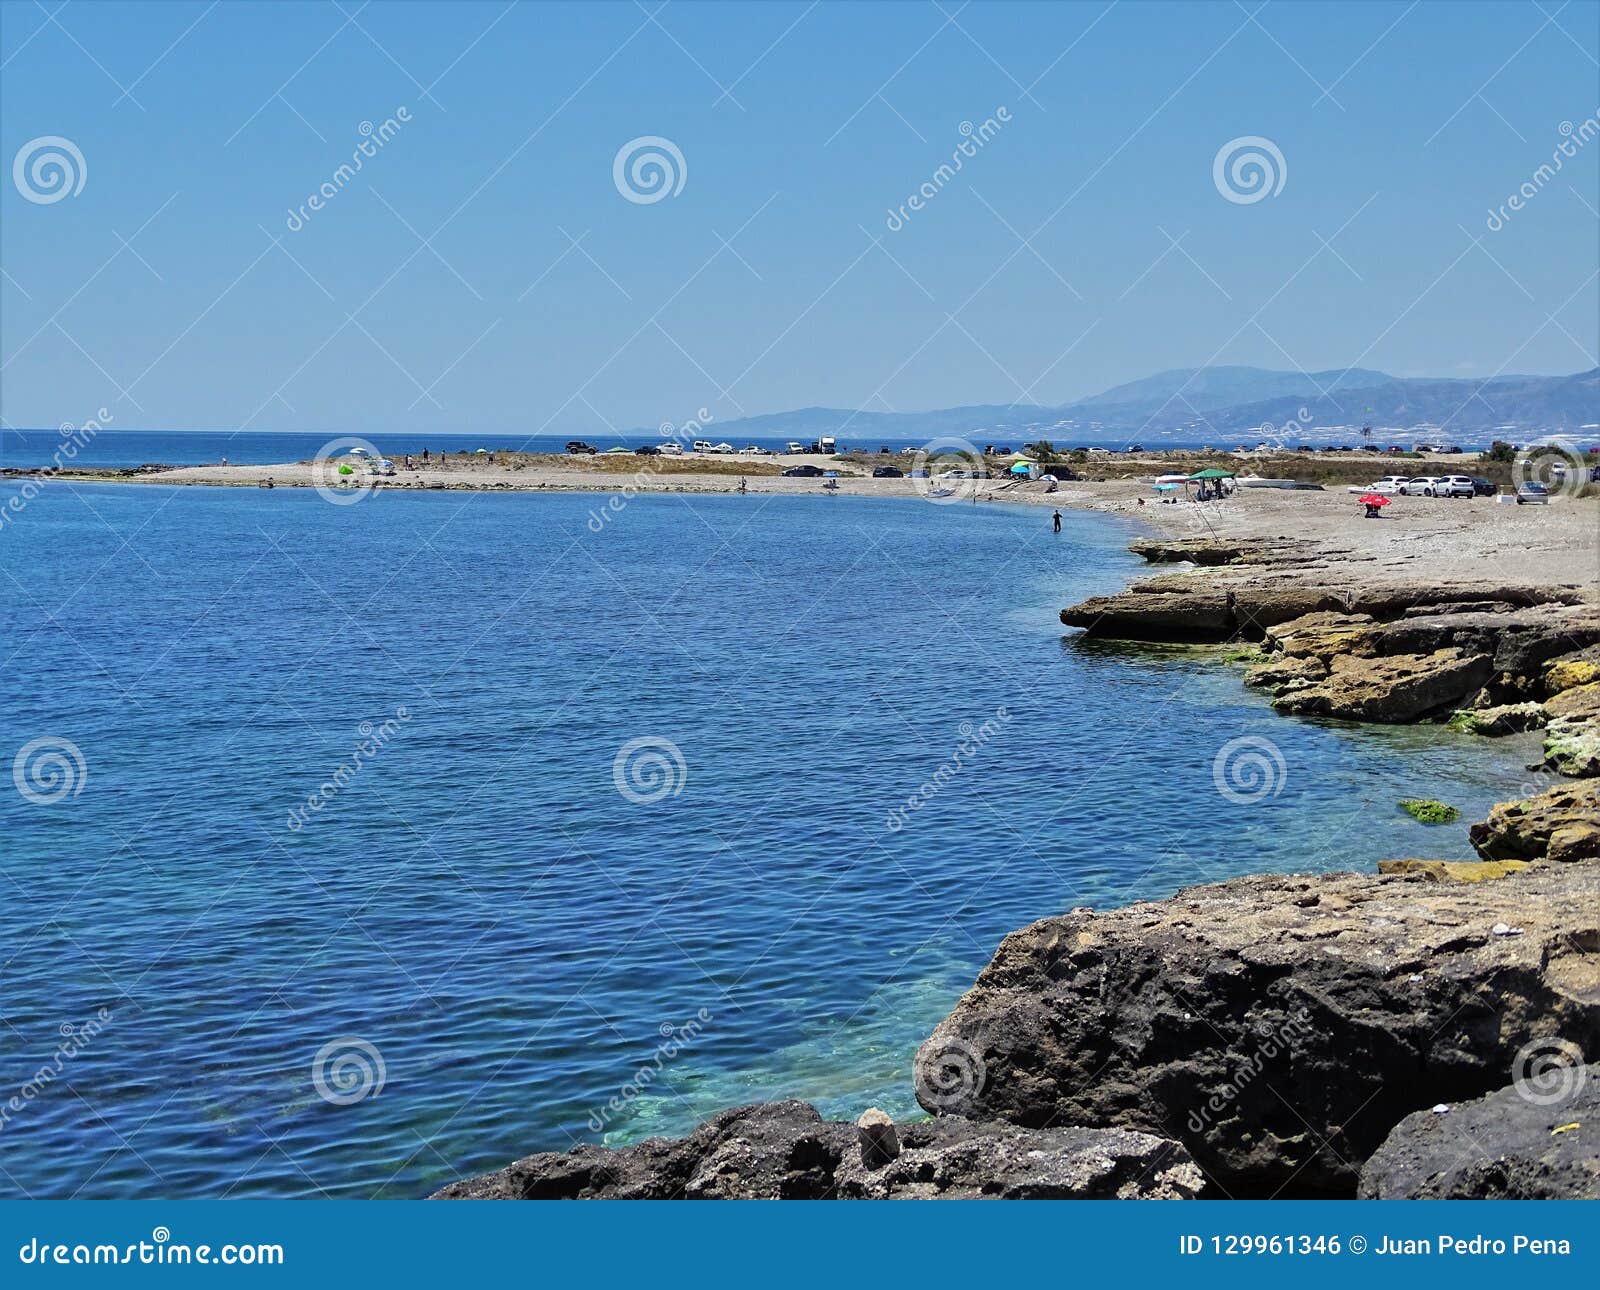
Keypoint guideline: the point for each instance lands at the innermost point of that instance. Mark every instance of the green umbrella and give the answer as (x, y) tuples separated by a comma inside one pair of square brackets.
[(1213, 473)]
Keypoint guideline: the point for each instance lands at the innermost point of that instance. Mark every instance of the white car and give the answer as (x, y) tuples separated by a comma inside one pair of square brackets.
[(1388, 486), (1457, 486), (671, 449), (1423, 486), (793, 448)]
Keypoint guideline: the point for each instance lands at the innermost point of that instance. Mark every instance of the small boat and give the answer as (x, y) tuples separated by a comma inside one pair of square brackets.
[(1256, 481)]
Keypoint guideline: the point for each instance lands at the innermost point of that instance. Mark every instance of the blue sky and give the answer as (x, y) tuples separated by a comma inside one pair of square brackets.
[(1084, 243)]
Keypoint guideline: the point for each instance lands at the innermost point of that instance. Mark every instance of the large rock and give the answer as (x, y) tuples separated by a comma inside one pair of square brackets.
[(1155, 615), (1322, 635), (1539, 1139), (1394, 689), (1203, 551), (1277, 1026), (787, 1151), (1562, 823)]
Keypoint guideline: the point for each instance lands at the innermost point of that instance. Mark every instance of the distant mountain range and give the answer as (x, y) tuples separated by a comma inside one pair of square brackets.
[(1230, 403)]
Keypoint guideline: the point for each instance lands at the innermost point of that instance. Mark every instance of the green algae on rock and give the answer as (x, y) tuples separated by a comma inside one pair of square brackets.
[(1427, 811)]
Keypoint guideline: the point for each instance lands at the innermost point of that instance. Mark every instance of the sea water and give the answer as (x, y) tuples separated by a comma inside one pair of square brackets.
[(353, 848)]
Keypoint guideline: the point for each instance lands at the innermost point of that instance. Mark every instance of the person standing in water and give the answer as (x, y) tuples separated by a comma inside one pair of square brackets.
[(1056, 519)]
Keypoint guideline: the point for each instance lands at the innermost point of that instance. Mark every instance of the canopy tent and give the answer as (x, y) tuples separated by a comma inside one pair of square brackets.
[(1212, 473)]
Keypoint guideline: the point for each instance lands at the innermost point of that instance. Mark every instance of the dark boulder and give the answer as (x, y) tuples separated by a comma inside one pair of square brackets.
[(1278, 1026), (1538, 1139)]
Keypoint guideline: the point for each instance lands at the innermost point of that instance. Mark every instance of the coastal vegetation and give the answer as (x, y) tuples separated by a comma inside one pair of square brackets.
[(1427, 811)]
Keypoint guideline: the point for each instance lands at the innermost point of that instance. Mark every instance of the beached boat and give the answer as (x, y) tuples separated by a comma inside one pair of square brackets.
[(1256, 481)]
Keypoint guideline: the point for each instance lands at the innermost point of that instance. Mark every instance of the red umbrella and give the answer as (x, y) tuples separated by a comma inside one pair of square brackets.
[(1373, 499)]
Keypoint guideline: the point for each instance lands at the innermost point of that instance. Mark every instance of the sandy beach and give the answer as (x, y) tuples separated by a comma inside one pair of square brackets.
[(1449, 539)]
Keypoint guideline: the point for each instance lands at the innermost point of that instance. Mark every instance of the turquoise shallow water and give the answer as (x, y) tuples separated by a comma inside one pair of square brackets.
[(478, 911)]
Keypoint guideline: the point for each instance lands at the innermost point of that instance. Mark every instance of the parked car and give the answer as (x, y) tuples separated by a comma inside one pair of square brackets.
[(1531, 494), (1388, 486), (648, 450), (1422, 486), (803, 472), (1457, 486), (1483, 488), (793, 447), (671, 449), (888, 472), (577, 447)]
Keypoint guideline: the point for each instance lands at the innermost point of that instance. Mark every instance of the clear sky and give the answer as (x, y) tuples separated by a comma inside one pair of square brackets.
[(484, 269)]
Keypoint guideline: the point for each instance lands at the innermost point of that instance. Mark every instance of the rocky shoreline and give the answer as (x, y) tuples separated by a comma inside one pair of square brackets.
[(1421, 1032)]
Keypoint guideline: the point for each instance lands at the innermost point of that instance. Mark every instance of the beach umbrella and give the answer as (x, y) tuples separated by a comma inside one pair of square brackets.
[(1166, 488), (482, 450), (358, 452), (1373, 499), (1022, 468)]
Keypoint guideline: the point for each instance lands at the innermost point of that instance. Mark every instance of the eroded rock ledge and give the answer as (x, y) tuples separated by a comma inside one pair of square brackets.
[(1277, 1026), (787, 1151), (1536, 1141)]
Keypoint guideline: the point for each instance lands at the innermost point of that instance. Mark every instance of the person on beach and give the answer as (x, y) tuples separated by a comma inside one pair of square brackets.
[(424, 456), (1056, 520)]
